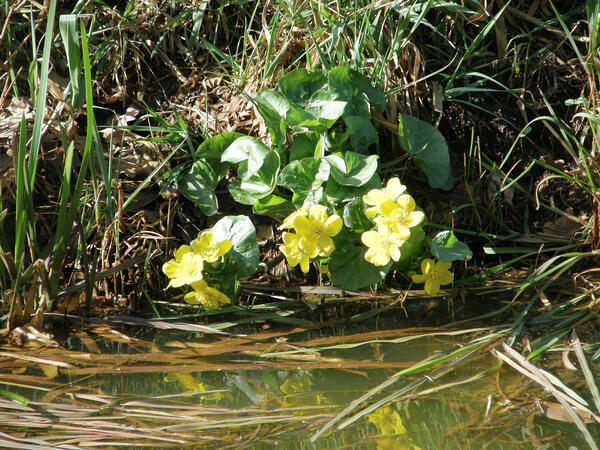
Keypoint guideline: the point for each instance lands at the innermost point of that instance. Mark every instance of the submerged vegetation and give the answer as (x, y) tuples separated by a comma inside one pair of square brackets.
[(291, 166)]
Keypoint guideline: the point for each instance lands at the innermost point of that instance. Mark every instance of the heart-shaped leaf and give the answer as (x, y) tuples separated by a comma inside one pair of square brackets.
[(355, 169), (257, 186), (249, 153), (304, 175), (446, 247), (350, 270), (429, 149), (244, 248)]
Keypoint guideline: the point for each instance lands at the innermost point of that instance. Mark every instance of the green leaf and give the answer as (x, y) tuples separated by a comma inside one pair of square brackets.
[(304, 175), (244, 249), (257, 186), (299, 85), (328, 110), (68, 31), (274, 206), (198, 183), (273, 107), (413, 245), (350, 270), (355, 169), (311, 198), (429, 149), (345, 83), (249, 153), (337, 193), (362, 132), (12, 396), (304, 145), (355, 218), (446, 247), (215, 146), (318, 119)]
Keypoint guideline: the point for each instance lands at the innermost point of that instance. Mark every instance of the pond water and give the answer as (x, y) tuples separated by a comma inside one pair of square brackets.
[(274, 387)]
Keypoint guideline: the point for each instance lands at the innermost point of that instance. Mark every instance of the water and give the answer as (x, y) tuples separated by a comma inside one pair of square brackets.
[(276, 387)]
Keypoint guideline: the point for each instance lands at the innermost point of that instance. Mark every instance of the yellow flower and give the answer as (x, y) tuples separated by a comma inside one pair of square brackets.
[(206, 296), (375, 197), (206, 245), (434, 274), (293, 253), (383, 244), (400, 214), (289, 220), (316, 230), (186, 268)]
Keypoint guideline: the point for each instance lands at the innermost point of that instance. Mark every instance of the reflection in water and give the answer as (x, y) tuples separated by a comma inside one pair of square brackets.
[(283, 399), (391, 428)]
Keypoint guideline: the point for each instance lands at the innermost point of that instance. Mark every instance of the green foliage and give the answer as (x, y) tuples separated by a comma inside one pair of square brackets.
[(445, 246), (243, 256), (321, 132), (350, 270), (429, 149)]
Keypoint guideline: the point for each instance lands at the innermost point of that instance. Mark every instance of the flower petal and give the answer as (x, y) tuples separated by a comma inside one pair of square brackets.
[(325, 246), (371, 238), (418, 278), (406, 202), (303, 225), (304, 264), (309, 246), (414, 218), (394, 187), (181, 251), (394, 252), (374, 197), (333, 225), (426, 266), (432, 287), (318, 213)]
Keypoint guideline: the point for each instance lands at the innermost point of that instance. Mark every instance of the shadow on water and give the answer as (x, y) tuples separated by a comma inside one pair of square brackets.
[(264, 385)]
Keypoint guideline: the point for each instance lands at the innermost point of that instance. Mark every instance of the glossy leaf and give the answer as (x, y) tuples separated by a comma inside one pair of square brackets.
[(257, 186), (429, 149), (198, 185), (355, 218), (273, 107), (244, 249), (304, 175), (362, 132), (249, 153), (215, 146), (346, 83), (337, 192), (304, 145), (273, 206), (446, 247), (355, 169), (350, 270), (299, 85)]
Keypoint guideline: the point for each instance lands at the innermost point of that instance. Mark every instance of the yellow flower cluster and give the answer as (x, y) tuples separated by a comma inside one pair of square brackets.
[(394, 213), (187, 266), (313, 232)]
